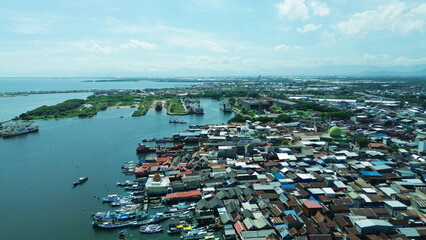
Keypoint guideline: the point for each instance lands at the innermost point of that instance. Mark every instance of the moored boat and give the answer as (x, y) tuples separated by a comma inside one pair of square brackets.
[(114, 224), (121, 235), (155, 219), (142, 148), (80, 181), (225, 106), (152, 228), (177, 121), (18, 129), (195, 233), (110, 198), (165, 149), (158, 106)]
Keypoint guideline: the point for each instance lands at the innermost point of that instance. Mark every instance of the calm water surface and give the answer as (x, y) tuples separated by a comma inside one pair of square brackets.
[(36, 171), (28, 84)]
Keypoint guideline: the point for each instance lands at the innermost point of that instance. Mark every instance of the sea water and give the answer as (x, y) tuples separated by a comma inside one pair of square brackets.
[(37, 171)]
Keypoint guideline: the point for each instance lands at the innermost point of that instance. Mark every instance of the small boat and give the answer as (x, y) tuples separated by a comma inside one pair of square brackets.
[(114, 225), (156, 218), (134, 187), (152, 228), (80, 181), (110, 198), (142, 148), (121, 235), (177, 121), (195, 233), (157, 206), (164, 140), (127, 183)]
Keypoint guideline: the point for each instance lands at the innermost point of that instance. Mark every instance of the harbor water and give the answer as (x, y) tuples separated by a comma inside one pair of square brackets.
[(37, 171)]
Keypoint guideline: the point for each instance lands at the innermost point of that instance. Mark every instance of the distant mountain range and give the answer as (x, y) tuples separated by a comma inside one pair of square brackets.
[(357, 71), (420, 73), (325, 71)]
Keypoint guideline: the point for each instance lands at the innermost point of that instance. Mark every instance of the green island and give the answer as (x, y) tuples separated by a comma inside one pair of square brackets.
[(175, 106), (144, 105), (79, 107)]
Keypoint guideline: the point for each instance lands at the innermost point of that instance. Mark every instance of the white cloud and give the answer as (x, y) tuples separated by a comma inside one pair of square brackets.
[(283, 47), (96, 47), (308, 28), (30, 26), (137, 44), (394, 16), (319, 8), (293, 9), (92, 46), (328, 36), (299, 9), (214, 47)]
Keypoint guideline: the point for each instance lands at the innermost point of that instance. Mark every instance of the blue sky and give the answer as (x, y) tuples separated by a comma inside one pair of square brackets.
[(206, 37)]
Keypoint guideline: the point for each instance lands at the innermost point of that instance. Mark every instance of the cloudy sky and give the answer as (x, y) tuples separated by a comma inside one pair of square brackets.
[(206, 37)]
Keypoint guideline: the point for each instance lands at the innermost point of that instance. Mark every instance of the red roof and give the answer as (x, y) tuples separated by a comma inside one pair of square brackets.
[(139, 170), (145, 165), (312, 204), (163, 159), (192, 193), (239, 227)]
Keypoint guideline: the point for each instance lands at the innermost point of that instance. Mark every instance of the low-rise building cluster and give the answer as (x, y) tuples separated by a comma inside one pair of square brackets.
[(320, 186)]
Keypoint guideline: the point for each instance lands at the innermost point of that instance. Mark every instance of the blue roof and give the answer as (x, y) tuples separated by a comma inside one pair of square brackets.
[(312, 198), (284, 232), (379, 135), (279, 176), (288, 186), (288, 212), (377, 163), (370, 173), (189, 134)]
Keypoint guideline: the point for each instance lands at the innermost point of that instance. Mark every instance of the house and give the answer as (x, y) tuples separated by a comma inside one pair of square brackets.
[(310, 207), (373, 226), (157, 185)]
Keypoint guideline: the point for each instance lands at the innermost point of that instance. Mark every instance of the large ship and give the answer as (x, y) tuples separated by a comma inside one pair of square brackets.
[(225, 106), (158, 106), (18, 129), (142, 148), (198, 109)]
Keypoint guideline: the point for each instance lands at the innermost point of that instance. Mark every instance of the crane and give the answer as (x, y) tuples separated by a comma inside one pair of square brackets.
[(260, 106)]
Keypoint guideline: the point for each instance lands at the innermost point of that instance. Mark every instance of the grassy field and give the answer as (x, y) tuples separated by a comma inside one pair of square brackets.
[(175, 107), (144, 106)]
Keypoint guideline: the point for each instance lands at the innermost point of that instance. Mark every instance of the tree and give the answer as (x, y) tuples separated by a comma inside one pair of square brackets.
[(237, 118), (276, 108), (285, 142), (253, 95), (393, 149), (362, 142), (283, 118)]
